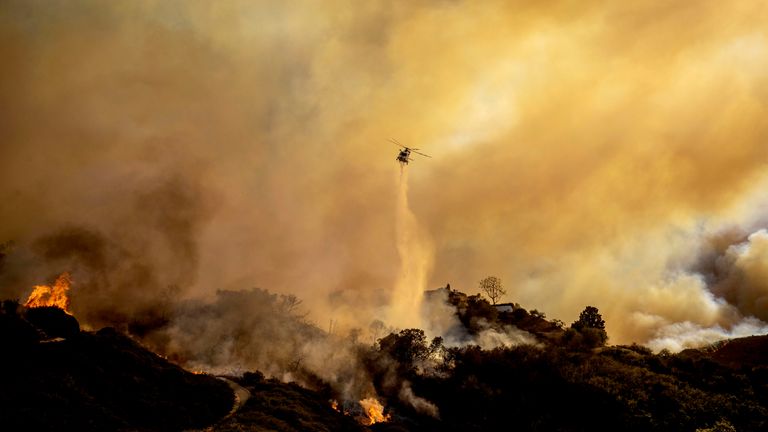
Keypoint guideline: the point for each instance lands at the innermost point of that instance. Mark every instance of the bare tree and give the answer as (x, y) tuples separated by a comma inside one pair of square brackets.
[(491, 286), (376, 329), (289, 303)]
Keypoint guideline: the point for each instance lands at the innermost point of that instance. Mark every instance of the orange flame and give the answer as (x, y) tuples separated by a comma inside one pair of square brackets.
[(374, 412), (56, 295), (334, 404)]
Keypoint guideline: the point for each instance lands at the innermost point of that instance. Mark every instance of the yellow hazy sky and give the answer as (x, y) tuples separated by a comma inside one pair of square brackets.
[(585, 152)]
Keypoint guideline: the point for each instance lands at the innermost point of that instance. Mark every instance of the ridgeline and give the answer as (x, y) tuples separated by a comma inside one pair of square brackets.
[(57, 377)]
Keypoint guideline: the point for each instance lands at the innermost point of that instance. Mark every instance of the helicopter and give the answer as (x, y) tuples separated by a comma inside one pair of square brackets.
[(404, 156)]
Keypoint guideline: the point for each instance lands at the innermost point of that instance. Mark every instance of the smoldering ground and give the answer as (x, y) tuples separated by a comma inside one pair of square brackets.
[(584, 153)]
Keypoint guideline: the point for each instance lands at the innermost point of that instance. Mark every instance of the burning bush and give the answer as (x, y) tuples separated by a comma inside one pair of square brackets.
[(374, 412), (54, 295)]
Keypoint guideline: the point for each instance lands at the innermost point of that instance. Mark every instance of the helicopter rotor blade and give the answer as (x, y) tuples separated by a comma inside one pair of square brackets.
[(415, 150)]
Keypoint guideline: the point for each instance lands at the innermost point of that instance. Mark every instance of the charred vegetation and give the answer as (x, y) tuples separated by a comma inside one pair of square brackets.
[(55, 377), (565, 379)]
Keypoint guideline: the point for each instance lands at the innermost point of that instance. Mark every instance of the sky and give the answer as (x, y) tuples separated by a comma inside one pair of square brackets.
[(587, 153)]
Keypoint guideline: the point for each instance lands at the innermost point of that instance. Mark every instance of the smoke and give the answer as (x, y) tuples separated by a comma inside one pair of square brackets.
[(678, 336), (420, 404), (584, 153), (744, 275), (734, 284), (128, 269), (440, 318), (510, 336)]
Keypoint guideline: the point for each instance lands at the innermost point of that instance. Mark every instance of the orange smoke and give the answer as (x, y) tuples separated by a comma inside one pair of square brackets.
[(56, 295), (374, 412)]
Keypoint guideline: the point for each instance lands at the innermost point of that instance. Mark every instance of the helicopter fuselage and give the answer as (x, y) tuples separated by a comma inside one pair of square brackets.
[(403, 157)]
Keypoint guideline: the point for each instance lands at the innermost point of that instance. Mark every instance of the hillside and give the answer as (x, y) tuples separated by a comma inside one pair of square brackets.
[(55, 377), (58, 377), (568, 381), (277, 406), (91, 381), (747, 352), (551, 388)]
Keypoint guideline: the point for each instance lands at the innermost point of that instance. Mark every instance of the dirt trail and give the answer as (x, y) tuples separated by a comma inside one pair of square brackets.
[(241, 395)]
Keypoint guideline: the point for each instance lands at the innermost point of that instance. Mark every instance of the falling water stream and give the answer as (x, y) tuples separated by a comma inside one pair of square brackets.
[(416, 254)]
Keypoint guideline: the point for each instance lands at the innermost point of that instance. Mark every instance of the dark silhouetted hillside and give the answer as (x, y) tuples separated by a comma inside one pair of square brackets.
[(98, 381), (568, 382), (276, 406), (55, 378), (747, 352)]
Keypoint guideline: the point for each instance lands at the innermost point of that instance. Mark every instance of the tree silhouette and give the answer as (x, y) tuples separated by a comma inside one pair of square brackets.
[(492, 287), (591, 327), (409, 347), (589, 318)]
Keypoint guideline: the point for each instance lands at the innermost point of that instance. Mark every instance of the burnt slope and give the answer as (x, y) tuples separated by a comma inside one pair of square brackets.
[(746, 352), (97, 381), (550, 388), (277, 406)]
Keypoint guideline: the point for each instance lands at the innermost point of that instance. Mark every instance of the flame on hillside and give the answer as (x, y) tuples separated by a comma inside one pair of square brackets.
[(55, 295), (374, 412)]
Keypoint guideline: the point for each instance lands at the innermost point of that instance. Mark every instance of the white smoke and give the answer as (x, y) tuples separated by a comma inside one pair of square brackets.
[(679, 336), (441, 319), (726, 298), (418, 403), (510, 336)]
